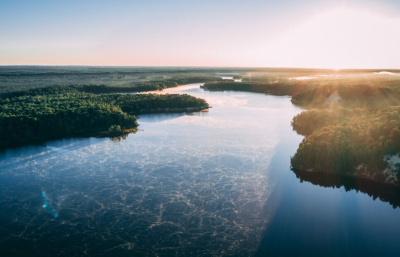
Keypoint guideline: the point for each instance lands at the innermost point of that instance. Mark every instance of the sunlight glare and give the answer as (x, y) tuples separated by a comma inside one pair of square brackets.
[(338, 39)]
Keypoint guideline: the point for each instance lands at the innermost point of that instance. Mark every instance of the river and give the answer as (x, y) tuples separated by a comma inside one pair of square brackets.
[(214, 183)]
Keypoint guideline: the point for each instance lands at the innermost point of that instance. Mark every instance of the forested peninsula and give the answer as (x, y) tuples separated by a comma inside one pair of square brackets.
[(39, 103), (55, 112)]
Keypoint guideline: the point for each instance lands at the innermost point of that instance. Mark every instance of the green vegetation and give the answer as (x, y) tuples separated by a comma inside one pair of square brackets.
[(101, 89), (39, 103), (267, 87), (100, 79), (115, 130), (50, 113), (342, 139), (355, 123), (353, 136), (150, 103), (352, 95)]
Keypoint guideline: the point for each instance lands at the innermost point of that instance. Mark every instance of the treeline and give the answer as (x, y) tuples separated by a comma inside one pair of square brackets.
[(343, 139), (103, 89), (60, 113), (100, 81), (313, 94), (146, 103), (284, 87), (142, 87)]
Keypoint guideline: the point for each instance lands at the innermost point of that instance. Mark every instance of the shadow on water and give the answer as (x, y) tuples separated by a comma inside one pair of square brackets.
[(386, 193), (326, 217), (309, 220)]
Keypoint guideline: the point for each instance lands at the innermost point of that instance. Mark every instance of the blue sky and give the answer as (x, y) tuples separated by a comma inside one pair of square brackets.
[(189, 33)]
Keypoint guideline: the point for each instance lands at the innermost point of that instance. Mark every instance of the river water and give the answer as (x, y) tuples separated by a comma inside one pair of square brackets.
[(215, 183)]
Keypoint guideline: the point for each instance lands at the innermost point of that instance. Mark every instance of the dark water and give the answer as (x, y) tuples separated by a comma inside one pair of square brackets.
[(215, 183)]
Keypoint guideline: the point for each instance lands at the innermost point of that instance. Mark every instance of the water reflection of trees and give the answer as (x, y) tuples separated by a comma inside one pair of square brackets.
[(122, 137), (119, 138), (385, 193)]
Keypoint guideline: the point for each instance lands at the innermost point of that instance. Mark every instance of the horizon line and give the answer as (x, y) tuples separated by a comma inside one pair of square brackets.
[(193, 66)]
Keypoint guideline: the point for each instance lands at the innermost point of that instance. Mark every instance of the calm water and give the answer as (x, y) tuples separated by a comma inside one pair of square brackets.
[(206, 184)]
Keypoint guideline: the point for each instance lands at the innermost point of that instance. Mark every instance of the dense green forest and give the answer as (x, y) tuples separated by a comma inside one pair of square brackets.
[(153, 85), (283, 87), (353, 136), (39, 103), (51, 113), (111, 79), (340, 140)]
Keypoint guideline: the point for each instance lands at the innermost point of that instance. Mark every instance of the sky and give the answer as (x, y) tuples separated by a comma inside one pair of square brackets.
[(253, 33)]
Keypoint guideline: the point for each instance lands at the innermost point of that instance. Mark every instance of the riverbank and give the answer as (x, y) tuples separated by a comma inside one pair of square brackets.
[(375, 189), (174, 110), (55, 113)]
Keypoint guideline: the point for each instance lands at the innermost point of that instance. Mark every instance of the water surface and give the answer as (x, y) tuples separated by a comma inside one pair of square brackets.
[(208, 183)]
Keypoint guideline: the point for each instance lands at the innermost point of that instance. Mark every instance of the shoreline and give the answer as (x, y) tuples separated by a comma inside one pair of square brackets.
[(357, 175), (173, 110), (376, 189), (102, 133)]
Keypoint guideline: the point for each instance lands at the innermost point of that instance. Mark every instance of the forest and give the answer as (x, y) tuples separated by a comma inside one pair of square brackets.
[(101, 79), (48, 113), (102, 88), (352, 94), (347, 140), (39, 103), (283, 87)]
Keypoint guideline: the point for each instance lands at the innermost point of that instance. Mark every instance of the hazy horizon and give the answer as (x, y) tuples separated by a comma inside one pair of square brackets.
[(197, 67), (308, 34)]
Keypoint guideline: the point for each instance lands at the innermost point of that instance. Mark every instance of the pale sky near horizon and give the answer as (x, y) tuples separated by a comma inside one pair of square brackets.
[(252, 33)]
